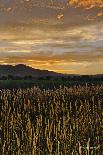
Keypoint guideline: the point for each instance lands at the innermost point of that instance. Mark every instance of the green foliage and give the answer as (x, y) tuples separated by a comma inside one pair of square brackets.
[(44, 83)]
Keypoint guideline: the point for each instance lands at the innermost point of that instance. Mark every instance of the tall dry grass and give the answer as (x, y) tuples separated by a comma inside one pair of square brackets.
[(64, 121)]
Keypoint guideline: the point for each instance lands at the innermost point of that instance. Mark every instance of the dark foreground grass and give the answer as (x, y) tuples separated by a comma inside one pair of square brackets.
[(64, 121), (45, 83)]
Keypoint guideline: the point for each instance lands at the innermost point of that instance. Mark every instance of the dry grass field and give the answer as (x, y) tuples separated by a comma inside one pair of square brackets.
[(64, 121)]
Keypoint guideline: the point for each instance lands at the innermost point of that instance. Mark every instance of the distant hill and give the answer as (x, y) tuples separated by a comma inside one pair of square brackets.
[(23, 70)]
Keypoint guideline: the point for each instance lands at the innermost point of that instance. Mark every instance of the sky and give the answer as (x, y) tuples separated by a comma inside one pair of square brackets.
[(64, 36)]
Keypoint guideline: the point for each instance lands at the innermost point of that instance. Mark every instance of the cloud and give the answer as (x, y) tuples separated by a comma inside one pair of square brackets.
[(52, 35), (88, 4), (38, 13)]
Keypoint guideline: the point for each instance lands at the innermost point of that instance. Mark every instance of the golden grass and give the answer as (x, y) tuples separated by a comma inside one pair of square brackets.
[(64, 121)]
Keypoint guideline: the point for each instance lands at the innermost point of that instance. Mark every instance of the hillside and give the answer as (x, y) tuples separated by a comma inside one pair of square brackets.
[(23, 70)]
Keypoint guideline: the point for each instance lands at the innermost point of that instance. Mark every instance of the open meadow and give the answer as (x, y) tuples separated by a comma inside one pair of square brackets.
[(59, 121)]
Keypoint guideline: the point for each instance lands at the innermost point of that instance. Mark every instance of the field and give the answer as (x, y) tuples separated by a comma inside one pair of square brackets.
[(45, 83), (59, 121)]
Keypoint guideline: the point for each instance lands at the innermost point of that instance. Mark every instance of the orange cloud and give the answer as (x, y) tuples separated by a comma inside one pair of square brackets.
[(86, 3), (49, 34), (60, 16)]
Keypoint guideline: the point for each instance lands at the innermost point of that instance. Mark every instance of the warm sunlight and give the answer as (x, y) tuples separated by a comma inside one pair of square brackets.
[(55, 35)]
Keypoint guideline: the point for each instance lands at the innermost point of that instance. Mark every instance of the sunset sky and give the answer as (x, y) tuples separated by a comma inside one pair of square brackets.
[(59, 35)]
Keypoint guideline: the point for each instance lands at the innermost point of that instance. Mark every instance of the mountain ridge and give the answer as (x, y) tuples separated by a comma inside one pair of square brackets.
[(24, 70)]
